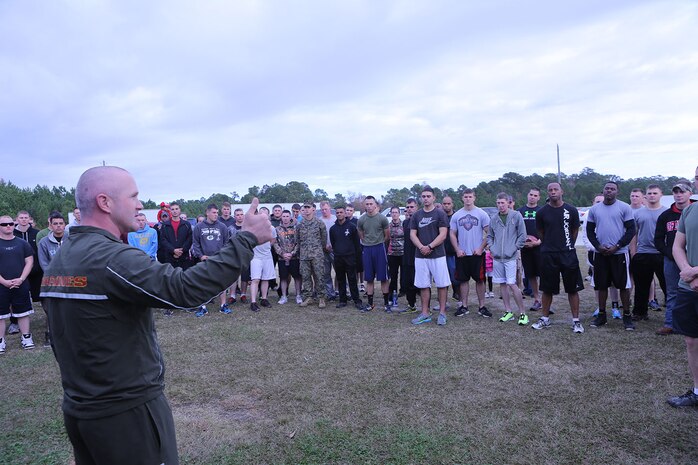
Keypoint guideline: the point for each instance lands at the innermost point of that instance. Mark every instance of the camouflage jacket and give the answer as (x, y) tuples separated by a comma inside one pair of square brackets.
[(312, 238), (286, 240)]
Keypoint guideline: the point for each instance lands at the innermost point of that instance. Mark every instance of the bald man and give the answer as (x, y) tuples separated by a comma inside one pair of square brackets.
[(99, 292)]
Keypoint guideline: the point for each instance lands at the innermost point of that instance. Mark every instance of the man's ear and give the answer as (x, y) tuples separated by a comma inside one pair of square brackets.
[(104, 203)]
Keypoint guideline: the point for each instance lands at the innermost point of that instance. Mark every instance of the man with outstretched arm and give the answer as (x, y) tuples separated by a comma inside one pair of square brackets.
[(99, 293)]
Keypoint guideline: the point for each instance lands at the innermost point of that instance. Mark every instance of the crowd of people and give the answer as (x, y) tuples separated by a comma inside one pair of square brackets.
[(98, 276)]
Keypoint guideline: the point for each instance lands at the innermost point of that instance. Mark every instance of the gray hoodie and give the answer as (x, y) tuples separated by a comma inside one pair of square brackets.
[(504, 240), (48, 246)]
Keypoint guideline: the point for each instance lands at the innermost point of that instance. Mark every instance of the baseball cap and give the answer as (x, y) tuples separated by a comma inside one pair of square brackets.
[(309, 204), (684, 186)]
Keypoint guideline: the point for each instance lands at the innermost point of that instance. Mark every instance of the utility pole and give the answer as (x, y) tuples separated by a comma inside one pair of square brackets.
[(558, 165)]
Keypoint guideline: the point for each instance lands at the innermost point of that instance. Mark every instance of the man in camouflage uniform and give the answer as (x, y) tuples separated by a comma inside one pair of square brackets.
[(312, 240)]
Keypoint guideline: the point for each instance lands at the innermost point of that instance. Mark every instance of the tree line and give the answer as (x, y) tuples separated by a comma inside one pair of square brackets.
[(580, 190)]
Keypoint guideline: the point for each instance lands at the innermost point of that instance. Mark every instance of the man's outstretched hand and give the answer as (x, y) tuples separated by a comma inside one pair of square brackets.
[(257, 223)]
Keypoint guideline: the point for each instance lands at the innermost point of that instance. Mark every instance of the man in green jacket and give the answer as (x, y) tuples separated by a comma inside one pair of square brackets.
[(99, 293)]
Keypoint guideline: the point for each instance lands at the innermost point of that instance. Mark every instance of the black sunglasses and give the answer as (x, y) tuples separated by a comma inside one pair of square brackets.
[(7, 224)]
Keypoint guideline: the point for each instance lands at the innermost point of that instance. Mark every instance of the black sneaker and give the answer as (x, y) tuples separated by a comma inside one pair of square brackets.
[(628, 323), (341, 305), (265, 303), (254, 307), (359, 305), (600, 320), (689, 399), (461, 311), (484, 312)]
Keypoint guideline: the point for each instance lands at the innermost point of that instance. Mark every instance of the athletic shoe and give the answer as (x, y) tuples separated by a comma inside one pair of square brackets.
[(254, 307), (689, 399), (409, 309), (341, 305), (599, 321), (577, 327), (536, 306), (640, 317), (461, 311), (654, 305), (243, 299), (167, 312), (359, 305), (628, 323), (552, 310), (2, 345), (615, 313), (484, 312), (664, 331), (596, 312), (523, 319), (13, 328), (366, 308), (362, 288), (225, 310), (283, 300), (306, 302), (441, 321), (264, 303), (422, 319), (201, 311), (321, 303), (231, 300), (506, 317), (541, 324), (299, 299), (437, 307), (27, 342), (388, 308)]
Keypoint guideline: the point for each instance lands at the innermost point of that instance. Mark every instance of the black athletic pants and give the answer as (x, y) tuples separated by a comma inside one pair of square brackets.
[(143, 435), (643, 267)]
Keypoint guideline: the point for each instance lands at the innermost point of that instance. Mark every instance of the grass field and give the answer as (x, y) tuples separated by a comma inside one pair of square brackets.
[(293, 385)]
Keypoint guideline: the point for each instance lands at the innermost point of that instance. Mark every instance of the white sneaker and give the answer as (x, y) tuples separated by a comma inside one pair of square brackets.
[(27, 342), (577, 327), (299, 299), (541, 324), (13, 328), (283, 300), (2, 346)]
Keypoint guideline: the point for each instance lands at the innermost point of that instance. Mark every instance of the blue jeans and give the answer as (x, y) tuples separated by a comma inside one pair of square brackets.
[(671, 275), (451, 264)]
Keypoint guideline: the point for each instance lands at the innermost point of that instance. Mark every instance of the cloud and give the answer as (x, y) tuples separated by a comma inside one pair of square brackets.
[(345, 96)]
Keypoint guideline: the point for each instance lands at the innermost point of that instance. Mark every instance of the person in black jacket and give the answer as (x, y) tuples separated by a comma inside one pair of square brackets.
[(344, 238), (99, 293), (175, 240), (664, 235)]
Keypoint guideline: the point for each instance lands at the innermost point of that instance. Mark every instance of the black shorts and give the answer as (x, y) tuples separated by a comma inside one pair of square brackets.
[(685, 313), (530, 259), (611, 270), (142, 435), (470, 267), (19, 299), (293, 268), (554, 264)]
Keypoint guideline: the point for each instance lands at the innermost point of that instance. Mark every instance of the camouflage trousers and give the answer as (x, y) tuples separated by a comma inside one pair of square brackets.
[(313, 274)]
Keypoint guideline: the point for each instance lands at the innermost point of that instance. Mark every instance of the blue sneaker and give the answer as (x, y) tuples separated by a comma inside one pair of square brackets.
[(422, 319), (225, 309), (442, 320), (616, 314), (201, 311)]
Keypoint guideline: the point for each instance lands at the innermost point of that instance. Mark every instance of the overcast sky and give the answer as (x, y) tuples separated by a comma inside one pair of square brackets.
[(196, 98)]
